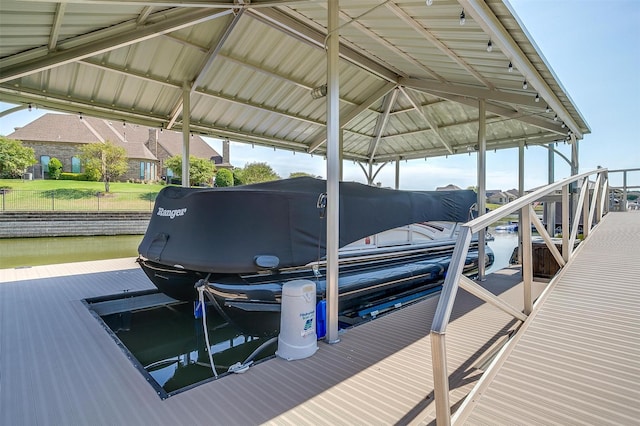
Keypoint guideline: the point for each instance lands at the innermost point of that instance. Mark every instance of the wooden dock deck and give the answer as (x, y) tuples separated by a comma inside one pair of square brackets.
[(59, 366)]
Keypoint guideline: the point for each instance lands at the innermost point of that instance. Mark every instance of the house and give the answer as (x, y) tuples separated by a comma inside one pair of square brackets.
[(497, 196), (450, 187), (62, 136)]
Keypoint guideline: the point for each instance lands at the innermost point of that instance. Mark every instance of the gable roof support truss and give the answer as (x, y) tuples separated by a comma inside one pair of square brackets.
[(381, 124)]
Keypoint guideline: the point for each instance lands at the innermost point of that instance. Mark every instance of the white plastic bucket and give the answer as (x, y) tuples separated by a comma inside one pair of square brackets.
[(298, 339)]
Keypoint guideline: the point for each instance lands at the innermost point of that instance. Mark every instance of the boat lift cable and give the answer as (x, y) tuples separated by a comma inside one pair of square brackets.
[(321, 205), (239, 368), (200, 285)]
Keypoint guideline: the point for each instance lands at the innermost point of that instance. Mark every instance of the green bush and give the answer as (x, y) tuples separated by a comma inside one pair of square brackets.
[(55, 168), (224, 177), (73, 176), (92, 174)]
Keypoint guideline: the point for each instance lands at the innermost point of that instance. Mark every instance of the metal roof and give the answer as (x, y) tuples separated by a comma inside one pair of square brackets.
[(411, 75)]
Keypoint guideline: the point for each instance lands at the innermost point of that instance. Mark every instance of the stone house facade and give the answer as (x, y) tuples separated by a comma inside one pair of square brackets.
[(62, 136)]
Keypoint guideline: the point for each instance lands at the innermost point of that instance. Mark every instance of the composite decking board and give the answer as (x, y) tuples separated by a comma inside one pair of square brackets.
[(578, 360), (59, 366)]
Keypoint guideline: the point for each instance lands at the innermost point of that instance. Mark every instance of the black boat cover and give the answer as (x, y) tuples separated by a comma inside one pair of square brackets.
[(224, 230)]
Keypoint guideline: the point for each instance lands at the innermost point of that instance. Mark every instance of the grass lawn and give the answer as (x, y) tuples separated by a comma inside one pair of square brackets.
[(71, 195), (47, 185)]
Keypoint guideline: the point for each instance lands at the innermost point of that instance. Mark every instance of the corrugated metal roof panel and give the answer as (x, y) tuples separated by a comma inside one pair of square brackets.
[(262, 74)]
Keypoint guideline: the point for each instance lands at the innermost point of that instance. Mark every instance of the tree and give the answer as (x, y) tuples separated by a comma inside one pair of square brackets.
[(14, 158), (201, 171), (224, 177), (258, 172), (55, 168), (299, 174), (105, 160), (238, 179)]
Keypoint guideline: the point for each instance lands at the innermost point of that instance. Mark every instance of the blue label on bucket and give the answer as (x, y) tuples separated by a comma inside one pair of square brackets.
[(321, 315)]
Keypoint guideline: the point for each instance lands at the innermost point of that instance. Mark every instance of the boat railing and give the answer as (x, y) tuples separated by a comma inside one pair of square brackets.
[(591, 206)]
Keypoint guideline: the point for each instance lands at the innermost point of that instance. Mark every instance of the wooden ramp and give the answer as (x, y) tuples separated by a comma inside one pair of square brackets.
[(577, 358)]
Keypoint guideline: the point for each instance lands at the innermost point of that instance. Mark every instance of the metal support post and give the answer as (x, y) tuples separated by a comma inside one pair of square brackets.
[(333, 173), (482, 184), (527, 258), (565, 223), (186, 123), (550, 208), (520, 194)]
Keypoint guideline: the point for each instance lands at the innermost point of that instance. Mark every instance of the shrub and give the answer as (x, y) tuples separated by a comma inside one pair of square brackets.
[(224, 177), (55, 168), (92, 175), (73, 176)]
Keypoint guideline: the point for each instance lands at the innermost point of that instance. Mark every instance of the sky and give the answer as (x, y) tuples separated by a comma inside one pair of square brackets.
[(593, 48)]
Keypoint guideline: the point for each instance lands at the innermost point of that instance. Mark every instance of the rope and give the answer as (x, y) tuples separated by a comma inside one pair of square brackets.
[(200, 286)]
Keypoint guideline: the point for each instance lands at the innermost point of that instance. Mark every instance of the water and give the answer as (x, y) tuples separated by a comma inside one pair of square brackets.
[(25, 252), (502, 247), (169, 345)]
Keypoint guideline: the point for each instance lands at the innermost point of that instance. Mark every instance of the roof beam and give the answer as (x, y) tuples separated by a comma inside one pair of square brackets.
[(389, 45), (437, 43), (430, 122), (206, 65), (534, 120), (8, 94), (221, 4), (487, 20), (381, 124), (144, 14), (101, 41), (469, 91), (215, 50), (347, 116), (298, 30), (491, 144), (55, 27)]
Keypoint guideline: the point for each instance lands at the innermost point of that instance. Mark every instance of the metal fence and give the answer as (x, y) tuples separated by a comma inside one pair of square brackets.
[(75, 200)]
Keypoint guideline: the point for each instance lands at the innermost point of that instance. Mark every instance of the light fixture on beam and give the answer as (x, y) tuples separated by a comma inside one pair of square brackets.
[(319, 92), (30, 107), (510, 67), (537, 97), (489, 46), (548, 109), (429, 2), (462, 18), (525, 85)]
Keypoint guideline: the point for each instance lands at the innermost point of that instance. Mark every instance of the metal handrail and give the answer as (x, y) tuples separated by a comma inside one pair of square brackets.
[(591, 211), (625, 187)]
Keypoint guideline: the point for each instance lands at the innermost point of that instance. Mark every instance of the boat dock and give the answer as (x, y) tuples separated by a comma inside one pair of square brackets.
[(573, 361)]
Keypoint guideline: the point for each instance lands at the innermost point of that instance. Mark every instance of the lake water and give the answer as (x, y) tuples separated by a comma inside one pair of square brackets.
[(25, 252)]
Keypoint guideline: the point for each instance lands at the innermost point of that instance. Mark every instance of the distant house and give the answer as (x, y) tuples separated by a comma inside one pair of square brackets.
[(62, 136), (450, 187), (497, 196)]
